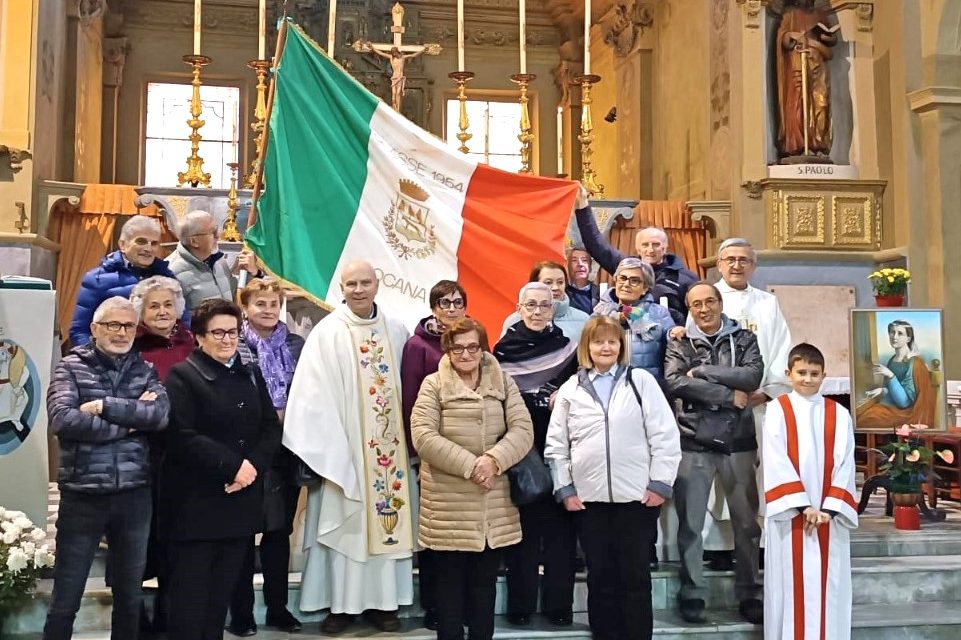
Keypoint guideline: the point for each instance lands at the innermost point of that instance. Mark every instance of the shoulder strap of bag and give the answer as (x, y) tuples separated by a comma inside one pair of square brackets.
[(637, 394)]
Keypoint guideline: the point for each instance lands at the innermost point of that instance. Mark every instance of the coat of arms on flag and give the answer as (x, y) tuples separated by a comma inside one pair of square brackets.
[(408, 231)]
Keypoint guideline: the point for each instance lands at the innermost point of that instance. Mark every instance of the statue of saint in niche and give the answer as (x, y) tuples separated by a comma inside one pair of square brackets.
[(804, 41)]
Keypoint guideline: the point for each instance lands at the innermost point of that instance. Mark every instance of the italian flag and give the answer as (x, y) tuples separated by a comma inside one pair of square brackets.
[(348, 178)]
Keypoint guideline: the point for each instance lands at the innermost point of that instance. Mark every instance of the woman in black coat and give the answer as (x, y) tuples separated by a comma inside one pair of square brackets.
[(222, 437)]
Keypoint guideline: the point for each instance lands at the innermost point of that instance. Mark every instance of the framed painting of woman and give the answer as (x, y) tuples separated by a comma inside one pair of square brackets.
[(897, 368)]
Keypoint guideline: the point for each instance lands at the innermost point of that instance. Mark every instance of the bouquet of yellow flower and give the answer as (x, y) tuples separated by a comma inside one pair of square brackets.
[(890, 282)]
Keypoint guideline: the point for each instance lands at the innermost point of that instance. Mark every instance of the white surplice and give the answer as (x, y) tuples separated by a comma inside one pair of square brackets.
[(807, 577), (322, 426)]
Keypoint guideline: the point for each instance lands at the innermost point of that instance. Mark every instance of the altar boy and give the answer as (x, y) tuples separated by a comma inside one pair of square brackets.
[(809, 490)]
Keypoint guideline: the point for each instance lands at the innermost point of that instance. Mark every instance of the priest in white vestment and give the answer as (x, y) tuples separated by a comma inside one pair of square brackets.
[(759, 312), (808, 478), (344, 421)]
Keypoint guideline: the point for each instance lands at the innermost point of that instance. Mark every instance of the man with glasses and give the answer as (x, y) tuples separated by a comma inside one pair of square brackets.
[(759, 312), (344, 421), (103, 402), (712, 371), (118, 272), (422, 354), (199, 264), (671, 276)]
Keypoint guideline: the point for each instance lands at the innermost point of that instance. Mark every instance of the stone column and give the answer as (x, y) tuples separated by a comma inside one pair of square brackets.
[(933, 239), (89, 93), (856, 20), (114, 57)]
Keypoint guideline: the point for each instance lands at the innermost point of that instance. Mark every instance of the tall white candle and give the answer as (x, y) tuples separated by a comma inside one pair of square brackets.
[(587, 37), (460, 35), (262, 30), (331, 27), (523, 36), (196, 27)]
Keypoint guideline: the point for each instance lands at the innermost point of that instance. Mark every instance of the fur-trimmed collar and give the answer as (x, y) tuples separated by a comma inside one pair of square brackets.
[(491, 380)]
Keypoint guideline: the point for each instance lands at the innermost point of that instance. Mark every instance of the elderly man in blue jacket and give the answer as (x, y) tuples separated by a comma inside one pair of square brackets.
[(118, 272), (103, 402)]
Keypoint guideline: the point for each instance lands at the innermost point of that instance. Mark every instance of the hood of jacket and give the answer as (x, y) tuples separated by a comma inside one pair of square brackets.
[(728, 327), (491, 380), (671, 262), (425, 332)]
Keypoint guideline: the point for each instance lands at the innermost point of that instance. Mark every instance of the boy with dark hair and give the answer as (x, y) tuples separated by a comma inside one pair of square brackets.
[(808, 452)]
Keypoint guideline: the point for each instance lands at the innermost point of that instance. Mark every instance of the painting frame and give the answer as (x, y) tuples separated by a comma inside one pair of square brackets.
[(897, 369)]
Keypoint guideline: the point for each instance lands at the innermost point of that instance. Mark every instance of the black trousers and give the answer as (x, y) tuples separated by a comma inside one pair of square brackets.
[(549, 538), (618, 571), (274, 563), (83, 519), (466, 590), (202, 573), (427, 579)]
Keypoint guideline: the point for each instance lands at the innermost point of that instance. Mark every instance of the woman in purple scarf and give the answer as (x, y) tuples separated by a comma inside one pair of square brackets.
[(265, 340)]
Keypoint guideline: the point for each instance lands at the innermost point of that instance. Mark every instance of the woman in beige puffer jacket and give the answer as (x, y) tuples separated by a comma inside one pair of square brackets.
[(469, 425)]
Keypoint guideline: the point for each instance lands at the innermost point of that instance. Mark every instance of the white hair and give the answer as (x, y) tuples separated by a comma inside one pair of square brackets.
[(737, 242), (533, 286), (138, 224), (190, 224), (647, 272), (116, 303), (140, 291), (659, 231)]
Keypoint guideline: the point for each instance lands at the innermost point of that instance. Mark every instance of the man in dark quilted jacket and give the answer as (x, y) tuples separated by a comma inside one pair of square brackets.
[(102, 402)]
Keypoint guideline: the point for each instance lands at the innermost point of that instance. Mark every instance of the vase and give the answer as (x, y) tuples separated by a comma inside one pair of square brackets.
[(907, 516), (388, 520), (890, 300)]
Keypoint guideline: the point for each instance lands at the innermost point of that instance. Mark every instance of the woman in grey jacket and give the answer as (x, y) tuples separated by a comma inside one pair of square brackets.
[(614, 448)]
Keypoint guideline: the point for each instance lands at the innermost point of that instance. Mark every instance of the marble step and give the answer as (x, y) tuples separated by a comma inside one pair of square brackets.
[(877, 581), (916, 621)]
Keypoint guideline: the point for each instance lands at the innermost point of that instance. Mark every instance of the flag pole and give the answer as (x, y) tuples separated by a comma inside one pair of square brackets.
[(259, 177)]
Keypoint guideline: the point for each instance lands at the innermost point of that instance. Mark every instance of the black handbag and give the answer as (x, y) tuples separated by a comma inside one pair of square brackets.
[(530, 479), (304, 476)]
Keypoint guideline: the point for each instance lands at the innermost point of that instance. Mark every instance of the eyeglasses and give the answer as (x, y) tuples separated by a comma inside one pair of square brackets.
[(115, 327), (700, 304), (741, 261), (533, 307), (459, 349), (221, 334), (634, 281), (447, 303)]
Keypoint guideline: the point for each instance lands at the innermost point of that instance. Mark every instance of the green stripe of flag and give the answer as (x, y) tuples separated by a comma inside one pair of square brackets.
[(315, 167)]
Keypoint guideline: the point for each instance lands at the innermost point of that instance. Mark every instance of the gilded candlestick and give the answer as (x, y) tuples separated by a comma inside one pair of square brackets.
[(261, 67), (195, 164), (231, 233), (586, 137), (461, 78), (526, 136)]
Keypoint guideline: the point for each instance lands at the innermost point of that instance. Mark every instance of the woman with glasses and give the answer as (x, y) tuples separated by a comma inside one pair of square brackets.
[(540, 358), (646, 323), (422, 354), (266, 343), (222, 438), (613, 448), (568, 319), (470, 426)]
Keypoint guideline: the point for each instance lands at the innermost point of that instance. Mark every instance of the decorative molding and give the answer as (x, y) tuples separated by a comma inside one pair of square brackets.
[(88, 11), (715, 215), (13, 157), (115, 52), (752, 12), (624, 24), (754, 189), (853, 220), (934, 98), (157, 15), (865, 14), (803, 219)]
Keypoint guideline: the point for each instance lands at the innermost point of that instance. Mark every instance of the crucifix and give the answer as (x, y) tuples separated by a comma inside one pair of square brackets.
[(397, 53)]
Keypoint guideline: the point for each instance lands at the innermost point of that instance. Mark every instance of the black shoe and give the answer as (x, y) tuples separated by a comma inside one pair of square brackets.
[(336, 622), (430, 619), (519, 619), (721, 561), (692, 610), (561, 618), (386, 621), (283, 620), (752, 611), (242, 629)]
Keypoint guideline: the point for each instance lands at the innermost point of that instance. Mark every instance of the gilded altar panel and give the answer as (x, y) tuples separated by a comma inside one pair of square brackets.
[(852, 221), (803, 219)]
